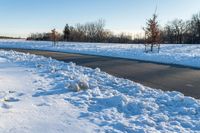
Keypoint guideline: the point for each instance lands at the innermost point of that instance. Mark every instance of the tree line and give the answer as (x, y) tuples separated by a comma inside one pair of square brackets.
[(181, 32), (177, 31), (88, 32)]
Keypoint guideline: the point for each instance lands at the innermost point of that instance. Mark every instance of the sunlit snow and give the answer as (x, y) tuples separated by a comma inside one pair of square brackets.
[(37, 95)]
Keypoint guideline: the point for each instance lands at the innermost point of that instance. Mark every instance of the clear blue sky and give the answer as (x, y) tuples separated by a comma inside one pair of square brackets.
[(22, 17)]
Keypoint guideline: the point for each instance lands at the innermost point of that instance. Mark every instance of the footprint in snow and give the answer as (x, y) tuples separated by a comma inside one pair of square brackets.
[(11, 92), (11, 99), (40, 89), (35, 81), (20, 94), (2, 94), (5, 106), (42, 104), (17, 94)]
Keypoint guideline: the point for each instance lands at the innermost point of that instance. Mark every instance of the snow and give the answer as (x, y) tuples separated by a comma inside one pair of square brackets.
[(187, 55), (38, 95), (2, 60), (22, 112)]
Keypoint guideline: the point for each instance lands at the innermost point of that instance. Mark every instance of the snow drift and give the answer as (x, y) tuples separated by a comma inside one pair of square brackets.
[(106, 103)]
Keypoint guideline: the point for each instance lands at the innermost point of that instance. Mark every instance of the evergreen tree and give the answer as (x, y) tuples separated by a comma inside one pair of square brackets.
[(66, 33)]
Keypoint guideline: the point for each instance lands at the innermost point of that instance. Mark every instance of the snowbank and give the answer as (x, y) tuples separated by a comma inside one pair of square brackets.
[(108, 103), (2, 60), (188, 55)]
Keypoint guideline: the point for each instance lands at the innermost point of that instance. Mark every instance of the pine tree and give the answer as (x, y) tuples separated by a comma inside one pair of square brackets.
[(66, 32), (152, 33)]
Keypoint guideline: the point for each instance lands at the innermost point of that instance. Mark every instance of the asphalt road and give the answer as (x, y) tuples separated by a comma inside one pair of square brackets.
[(160, 76)]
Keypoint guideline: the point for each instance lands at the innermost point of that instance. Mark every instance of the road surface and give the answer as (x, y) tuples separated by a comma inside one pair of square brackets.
[(159, 76)]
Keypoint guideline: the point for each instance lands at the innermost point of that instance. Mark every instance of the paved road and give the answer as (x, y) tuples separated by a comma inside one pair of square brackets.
[(160, 76)]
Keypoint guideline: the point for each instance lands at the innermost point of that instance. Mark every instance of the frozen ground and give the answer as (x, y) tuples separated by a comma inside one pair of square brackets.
[(38, 94), (188, 55)]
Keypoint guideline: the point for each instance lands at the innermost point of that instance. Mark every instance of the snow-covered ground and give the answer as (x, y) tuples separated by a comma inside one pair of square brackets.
[(188, 55), (37, 94)]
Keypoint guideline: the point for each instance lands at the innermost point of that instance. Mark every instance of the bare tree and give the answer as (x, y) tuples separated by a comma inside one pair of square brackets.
[(179, 27), (195, 28), (152, 34), (54, 36), (100, 32)]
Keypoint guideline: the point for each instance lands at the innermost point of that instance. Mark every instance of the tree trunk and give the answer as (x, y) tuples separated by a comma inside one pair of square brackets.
[(152, 47)]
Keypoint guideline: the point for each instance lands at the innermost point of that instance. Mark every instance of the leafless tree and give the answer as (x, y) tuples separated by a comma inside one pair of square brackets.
[(152, 34), (179, 27), (54, 36), (195, 28)]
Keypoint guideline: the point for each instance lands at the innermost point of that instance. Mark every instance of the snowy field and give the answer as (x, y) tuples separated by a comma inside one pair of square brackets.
[(188, 55), (39, 94)]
